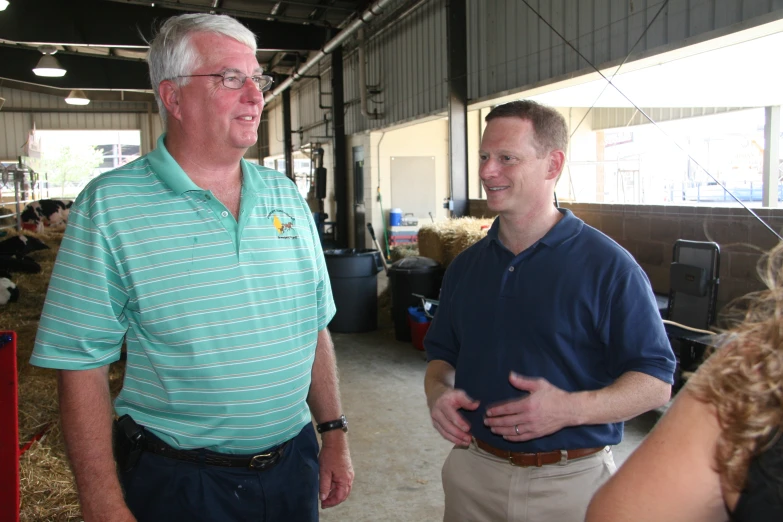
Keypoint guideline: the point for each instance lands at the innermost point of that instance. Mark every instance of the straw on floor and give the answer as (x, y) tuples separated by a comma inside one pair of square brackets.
[(47, 487)]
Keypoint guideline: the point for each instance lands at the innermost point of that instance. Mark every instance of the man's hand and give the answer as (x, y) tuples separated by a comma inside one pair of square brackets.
[(448, 420), (336, 472), (545, 410)]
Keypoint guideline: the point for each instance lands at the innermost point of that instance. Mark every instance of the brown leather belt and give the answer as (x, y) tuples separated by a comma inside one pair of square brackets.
[(516, 458)]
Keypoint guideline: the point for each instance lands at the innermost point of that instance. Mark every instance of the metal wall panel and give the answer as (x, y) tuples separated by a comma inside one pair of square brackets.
[(405, 62), (608, 118), (512, 49), (16, 99), (307, 116), (14, 127), (86, 121), (23, 109)]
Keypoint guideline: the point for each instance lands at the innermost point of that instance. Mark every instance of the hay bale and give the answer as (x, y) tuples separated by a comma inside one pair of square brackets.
[(402, 251), (444, 240)]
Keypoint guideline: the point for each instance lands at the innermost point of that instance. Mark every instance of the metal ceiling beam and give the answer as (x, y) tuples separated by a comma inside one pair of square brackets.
[(107, 96), (320, 9), (374, 10), (316, 4), (236, 13), (83, 71), (101, 23)]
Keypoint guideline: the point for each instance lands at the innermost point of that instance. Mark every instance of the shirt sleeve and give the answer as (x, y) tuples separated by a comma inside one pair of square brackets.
[(83, 324), (441, 342), (633, 329), (324, 299)]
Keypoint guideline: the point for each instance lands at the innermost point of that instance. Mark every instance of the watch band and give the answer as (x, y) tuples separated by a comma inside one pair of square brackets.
[(340, 423)]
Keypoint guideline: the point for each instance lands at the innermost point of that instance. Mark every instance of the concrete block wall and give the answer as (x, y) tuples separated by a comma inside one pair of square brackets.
[(648, 232)]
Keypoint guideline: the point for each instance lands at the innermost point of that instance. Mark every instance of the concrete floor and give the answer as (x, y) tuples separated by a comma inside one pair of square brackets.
[(397, 454)]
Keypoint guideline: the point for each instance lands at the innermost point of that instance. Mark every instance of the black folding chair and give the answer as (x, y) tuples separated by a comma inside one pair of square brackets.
[(693, 301)]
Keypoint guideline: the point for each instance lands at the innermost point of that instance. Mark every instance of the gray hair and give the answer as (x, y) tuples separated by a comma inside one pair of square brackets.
[(172, 55)]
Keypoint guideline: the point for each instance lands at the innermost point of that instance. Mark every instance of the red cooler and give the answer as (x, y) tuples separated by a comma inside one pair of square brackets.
[(419, 324)]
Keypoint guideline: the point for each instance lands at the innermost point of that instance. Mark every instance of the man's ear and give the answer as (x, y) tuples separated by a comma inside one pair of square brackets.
[(556, 164), (170, 96)]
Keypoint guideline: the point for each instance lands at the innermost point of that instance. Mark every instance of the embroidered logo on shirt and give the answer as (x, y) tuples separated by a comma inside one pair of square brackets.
[(283, 223)]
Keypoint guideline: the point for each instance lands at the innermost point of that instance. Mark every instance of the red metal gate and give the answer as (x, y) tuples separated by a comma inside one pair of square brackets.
[(9, 431)]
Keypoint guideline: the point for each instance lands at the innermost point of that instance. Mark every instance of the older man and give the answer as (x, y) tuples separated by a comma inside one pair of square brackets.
[(224, 313), (546, 339)]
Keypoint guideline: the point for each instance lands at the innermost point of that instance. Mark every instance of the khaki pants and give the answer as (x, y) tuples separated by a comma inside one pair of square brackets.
[(481, 487)]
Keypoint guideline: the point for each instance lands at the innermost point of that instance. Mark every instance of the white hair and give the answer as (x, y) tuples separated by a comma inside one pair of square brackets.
[(171, 54)]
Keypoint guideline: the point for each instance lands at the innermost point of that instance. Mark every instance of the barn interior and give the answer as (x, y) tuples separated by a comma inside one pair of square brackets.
[(376, 114)]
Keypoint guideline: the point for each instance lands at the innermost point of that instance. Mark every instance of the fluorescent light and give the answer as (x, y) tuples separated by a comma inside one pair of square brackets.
[(77, 97), (3, 4), (49, 66)]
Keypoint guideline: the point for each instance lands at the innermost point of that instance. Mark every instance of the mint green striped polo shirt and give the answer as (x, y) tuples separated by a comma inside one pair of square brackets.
[(220, 317)]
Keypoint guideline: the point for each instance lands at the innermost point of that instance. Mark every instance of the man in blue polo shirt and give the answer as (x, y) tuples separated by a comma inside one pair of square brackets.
[(209, 270), (547, 338)]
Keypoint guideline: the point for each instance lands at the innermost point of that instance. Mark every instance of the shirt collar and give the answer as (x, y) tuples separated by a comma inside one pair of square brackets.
[(169, 171), (568, 227), (253, 177)]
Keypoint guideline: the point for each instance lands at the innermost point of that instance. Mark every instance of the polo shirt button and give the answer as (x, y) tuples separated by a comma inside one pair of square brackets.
[(224, 214), (511, 269)]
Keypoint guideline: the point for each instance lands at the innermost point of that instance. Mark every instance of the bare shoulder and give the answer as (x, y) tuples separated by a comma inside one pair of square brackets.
[(671, 476)]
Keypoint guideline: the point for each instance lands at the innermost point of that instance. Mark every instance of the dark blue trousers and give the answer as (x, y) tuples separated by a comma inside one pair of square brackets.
[(161, 489)]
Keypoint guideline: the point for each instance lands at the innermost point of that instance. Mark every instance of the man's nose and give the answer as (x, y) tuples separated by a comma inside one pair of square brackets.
[(251, 92), (487, 169)]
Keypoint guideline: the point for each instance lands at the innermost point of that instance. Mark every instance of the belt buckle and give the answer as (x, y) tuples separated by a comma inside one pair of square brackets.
[(262, 460)]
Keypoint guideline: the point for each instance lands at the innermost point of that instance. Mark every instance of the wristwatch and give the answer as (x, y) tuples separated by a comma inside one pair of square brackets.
[(340, 423)]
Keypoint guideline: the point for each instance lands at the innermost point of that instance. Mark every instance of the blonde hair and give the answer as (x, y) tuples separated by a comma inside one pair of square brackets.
[(743, 379)]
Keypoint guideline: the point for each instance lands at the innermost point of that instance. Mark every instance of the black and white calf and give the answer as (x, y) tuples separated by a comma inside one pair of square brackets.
[(47, 212), (8, 291), (21, 245), (21, 264)]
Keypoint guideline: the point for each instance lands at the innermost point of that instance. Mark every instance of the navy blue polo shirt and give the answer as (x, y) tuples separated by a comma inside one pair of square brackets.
[(574, 308)]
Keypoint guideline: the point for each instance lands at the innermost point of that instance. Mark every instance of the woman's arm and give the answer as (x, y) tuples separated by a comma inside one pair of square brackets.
[(671, 476)]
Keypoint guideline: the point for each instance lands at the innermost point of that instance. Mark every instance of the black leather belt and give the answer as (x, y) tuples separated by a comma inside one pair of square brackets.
[(257, 462)]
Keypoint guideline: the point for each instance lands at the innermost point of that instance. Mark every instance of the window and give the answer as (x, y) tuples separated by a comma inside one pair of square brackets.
[(642, 165)]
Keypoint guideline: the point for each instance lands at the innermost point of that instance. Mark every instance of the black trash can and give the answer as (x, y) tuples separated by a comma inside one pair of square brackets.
[(408, 276), (354, 276)]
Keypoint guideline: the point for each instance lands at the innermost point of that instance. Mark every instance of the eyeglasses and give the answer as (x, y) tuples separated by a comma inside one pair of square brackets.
[(235, 80)]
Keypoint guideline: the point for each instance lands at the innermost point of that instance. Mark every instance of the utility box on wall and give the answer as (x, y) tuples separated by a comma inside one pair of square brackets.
[(413, 185)]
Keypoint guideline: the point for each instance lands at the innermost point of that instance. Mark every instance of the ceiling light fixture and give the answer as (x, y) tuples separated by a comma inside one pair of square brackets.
[(3, 4), (77, 97), (48, 64)]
